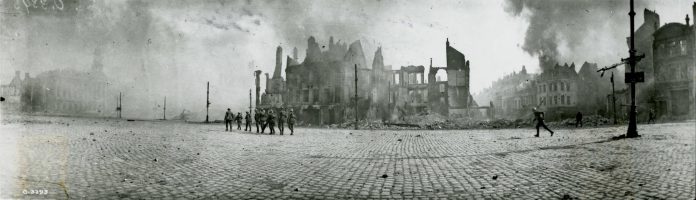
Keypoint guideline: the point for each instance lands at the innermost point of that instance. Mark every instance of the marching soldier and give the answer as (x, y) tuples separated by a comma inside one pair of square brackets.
[(291, 122), (247, 119), (239, 120), (262, 120), (228, 120), (539, 117), (271, 121), (257, 119), (281, 121)]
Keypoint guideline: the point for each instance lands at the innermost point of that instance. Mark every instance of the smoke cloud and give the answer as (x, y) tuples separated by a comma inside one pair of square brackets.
[(153, 49), (575, 30)]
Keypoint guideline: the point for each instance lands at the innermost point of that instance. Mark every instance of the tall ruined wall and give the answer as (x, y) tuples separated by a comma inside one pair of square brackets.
[(457, 78)]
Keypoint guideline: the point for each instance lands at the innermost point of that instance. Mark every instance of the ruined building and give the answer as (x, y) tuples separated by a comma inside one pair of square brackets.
[(67, 92), (559, 91), (275, 87), (513, 95), (408, 91), (321, 88)]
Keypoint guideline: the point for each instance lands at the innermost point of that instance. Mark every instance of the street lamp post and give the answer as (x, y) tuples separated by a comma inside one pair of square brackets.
[(207, 100), (632, 78), (356, 97)]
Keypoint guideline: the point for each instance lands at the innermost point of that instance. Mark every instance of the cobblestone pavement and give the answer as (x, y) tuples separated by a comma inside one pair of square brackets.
[(112, 159)]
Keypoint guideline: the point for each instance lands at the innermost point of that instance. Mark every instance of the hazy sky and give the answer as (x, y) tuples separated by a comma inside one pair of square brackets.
[(171, 48)]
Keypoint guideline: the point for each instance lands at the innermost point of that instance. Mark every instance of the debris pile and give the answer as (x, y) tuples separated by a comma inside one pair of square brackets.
[(588, 121), (439, 122)]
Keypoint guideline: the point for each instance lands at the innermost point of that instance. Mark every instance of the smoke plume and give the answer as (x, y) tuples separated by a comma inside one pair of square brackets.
[(575, 30), (153, 49)]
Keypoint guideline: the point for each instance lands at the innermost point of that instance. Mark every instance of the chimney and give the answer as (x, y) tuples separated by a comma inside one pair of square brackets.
[(693, 9), (651, 17), (687, 20), (294, 53), (447, 42), (268, 86), (279, 62)]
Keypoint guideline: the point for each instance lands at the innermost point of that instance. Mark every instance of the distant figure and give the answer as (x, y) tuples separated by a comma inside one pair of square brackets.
[(578, 119), (228, 120), (262, 120), (239, 120), (539, 117), (271, 122), (257, 119), (291, 122), (651, 116), (247, 119), (281, 121)]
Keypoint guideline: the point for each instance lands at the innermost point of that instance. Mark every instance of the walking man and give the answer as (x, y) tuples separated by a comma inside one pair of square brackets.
[(228, 120), (539, 117), (281, 121), (271, 121), (257, 119), (262, 120), (578, 119), (291, 122), (239, 120), (651, 116), (247, 119)]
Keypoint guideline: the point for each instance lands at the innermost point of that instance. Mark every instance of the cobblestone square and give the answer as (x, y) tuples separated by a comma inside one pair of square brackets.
[(114, 159)]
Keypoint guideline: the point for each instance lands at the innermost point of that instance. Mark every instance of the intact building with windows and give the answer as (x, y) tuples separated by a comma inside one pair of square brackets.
[(557, 91), (64, 92), (673, 59)]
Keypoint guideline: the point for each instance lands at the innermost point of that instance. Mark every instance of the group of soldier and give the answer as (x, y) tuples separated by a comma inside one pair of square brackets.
[(264, 118)]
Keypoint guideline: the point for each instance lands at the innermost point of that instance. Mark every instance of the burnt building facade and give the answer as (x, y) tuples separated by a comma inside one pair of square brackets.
[(321, 88)]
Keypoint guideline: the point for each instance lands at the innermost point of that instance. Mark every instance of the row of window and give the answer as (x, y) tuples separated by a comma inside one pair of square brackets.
[(556, 100), (555, 86), (674, 72), (673, 48), (303, 96)]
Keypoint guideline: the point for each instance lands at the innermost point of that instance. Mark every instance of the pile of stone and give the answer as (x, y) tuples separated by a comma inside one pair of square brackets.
[(587, 121), (438, 122)]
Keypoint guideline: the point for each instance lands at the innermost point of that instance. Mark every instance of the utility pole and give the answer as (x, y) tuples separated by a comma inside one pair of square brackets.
[(207, 100), (120, 106), (257, 73), (250, 106), (164, 110), (633, 77), (613, 97), (613, 92), (356, 97)]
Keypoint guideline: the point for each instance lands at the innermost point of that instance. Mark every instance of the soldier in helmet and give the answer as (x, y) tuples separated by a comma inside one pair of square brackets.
[(271, 121), (262, 120), (257, 119), (247, 119), (539, 118), (281, 121), (228, 120), (291, 122), (238, 119)]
